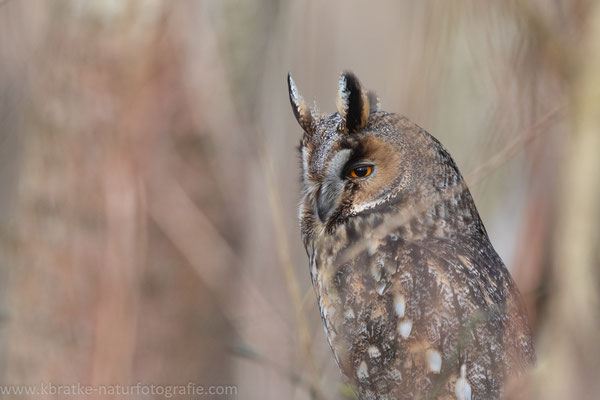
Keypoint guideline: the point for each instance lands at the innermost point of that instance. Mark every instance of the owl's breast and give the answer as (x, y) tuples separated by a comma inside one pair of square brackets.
[(357, 304)]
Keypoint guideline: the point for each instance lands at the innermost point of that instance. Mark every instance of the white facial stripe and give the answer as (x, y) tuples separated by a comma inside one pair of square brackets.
[(305, 163), (337, 163)]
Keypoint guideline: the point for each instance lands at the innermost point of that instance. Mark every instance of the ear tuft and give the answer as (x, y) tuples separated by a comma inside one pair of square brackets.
[(301, 112), (352, 102)]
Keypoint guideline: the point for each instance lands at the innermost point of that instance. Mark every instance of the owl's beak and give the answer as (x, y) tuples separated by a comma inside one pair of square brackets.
[(328, 198)]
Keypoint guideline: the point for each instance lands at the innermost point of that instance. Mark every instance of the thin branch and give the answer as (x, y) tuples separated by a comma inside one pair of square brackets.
[(503, 156)]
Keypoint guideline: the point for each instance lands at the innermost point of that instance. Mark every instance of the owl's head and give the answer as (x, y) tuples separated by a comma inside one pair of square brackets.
[(360, 159)]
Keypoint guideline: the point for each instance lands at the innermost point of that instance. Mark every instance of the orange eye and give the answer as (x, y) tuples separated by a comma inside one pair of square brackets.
[(361, 171)]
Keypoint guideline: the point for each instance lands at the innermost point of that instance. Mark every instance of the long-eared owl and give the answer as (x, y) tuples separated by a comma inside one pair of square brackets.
[(415, 301)]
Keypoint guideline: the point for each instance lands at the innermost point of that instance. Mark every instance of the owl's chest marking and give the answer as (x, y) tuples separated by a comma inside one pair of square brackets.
[(394, 314), (359, 300)]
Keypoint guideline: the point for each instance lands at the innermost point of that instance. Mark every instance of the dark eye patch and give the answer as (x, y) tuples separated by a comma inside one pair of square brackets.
[(357, 157)]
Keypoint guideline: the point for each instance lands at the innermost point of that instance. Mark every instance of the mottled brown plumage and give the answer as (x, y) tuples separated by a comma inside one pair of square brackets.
[(415, 301)]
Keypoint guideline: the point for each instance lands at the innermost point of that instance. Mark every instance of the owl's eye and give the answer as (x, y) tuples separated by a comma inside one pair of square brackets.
[(361, 171)]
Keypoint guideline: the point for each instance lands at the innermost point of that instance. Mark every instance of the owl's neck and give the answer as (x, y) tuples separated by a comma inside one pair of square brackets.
[(443, 214)]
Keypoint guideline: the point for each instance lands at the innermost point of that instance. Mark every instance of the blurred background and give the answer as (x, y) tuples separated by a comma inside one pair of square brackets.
[(149, 179)]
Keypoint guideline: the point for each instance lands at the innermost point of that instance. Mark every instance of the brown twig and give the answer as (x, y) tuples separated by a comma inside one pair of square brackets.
[(481, 172)]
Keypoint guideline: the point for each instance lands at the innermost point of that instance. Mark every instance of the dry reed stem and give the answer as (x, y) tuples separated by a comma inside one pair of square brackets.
[(287, 266), (569, 343)]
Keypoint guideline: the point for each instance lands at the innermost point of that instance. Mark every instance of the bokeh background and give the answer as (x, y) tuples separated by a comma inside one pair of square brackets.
[(149, 178)]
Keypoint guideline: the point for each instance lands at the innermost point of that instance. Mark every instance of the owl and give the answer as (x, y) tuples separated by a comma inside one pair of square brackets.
[(415, 301)]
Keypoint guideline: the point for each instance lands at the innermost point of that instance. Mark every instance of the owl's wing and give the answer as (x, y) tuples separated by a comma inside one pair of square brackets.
[(408, 318), (463, 308)]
